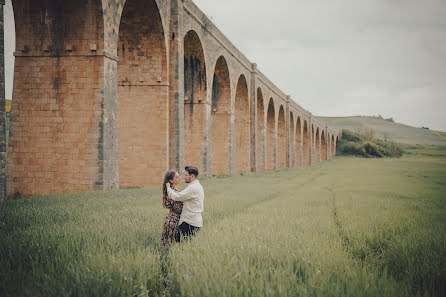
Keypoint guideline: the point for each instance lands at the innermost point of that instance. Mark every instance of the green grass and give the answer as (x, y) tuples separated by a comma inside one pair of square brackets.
[(386, 129), (345, 227)]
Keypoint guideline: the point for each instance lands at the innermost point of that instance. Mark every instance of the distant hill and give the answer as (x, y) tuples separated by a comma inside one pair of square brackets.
[(388, 129)]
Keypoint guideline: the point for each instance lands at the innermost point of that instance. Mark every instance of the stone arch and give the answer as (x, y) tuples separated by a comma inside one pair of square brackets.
[(305, 145), (318, 145), (281, 138), (142, 95), (313, 145), (221, 117), (195, 92), (328, 145), (323, 146), (260, 131), (291, 147), (298, 144), (270, 132), (242, 126), (53, 138)]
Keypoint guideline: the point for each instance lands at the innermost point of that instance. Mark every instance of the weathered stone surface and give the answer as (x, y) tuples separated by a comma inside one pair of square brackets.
[(113, 93), (2, 109)]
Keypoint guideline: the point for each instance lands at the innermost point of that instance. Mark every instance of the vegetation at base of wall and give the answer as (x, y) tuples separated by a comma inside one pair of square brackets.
[(364, 144), (345, 227)]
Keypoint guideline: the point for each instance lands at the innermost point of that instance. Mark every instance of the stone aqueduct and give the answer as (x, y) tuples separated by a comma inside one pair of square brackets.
[(113, 93)]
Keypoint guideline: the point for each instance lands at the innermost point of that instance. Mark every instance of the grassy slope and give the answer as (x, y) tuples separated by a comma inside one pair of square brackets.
[(397, 132), (345, 227)]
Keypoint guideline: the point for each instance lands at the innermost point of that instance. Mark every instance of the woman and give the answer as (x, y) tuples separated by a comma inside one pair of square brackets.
[(171, 231)]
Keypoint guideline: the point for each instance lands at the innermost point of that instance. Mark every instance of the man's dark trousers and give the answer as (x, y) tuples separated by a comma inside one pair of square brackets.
[(187, 230)]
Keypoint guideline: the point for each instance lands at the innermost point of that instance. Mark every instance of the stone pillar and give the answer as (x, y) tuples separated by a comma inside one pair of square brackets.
[(176, 90), (254, 136), (276, 124), (301, 147), (63, 135), (2, 108), (310, 139), (287, 124), (231, 161), (327, 143)]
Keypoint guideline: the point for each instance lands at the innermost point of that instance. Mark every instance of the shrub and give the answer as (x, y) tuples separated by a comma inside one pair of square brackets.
[(365, 145), (348, 135), (373, 149)]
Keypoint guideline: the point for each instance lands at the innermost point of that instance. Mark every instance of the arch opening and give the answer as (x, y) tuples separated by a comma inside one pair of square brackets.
[(143, 108), (242, 127), (298, 137), (292, 144), (195, 89), (221, 117), (281, 139), (305, 145), (333, 152), (260, 131), (323, 146), (318, 146), (270, 131)]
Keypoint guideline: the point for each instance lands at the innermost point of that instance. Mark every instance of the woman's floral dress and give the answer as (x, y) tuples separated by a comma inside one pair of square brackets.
[(171, 232)]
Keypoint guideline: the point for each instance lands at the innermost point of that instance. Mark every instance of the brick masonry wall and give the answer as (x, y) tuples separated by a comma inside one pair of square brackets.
[(260, 132), (143, 110), (270, 131), (221, 113), (305, 145), (298, 144), (323, 147), (281, 139), (292, 140), (90, 112), (195, 89), (242, 122), (2, 109), (56, 115)]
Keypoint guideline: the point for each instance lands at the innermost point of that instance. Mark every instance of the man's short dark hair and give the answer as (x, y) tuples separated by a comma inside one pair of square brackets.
[(192, 170)]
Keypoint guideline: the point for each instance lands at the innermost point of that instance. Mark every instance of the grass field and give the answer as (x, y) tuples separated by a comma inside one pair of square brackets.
[(387, 129), (345, 227)]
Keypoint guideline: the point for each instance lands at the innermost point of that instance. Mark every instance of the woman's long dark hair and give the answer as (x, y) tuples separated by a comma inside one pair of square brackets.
[(167, 179)]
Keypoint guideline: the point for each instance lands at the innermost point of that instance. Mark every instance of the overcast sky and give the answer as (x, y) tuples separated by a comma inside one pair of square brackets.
[(338, 57), (346, 57)]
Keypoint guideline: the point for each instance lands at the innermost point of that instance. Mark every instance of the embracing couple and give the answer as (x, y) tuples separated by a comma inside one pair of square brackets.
[(184, 218)]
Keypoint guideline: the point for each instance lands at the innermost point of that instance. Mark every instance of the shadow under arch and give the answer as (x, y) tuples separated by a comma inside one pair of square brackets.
[(195, 94), (281, 139), (242, 126), (318, 146), (270, 132), (221, 117), (292, 144), (143, 108), (298, 138), (305, 145), (260, 131), (323, 146)]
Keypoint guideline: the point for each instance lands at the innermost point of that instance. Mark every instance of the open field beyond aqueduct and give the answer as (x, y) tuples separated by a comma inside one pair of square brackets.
[(112, 93)]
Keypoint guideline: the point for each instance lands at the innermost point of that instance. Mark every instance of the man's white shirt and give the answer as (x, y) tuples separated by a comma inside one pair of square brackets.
[(192, 198)]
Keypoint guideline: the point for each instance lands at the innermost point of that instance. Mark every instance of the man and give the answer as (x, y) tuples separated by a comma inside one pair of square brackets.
[(193, 198)]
